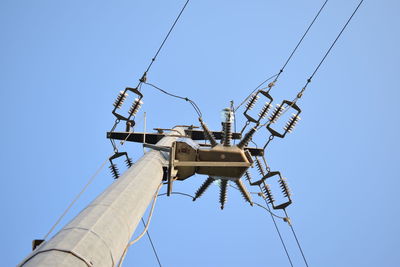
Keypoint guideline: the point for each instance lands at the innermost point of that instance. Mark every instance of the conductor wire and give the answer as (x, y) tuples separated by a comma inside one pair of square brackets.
[(301, 40), (166, 37), (297, 240), (194, 105)]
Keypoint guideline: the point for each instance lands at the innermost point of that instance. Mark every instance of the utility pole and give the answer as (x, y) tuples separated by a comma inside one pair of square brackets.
[(98, 235)]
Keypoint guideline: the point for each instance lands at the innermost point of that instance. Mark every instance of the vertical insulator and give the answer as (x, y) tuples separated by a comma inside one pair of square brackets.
[(222, 195), (120, 99), (268, 193), (252, 101), (227, 127), (203, 188), (135, 106), (243, 191), (292, 123), (285, 188), (128, 162), (114, 170), (208, 134), (247, 138), (276, 113), (264, 111), (260, 167)]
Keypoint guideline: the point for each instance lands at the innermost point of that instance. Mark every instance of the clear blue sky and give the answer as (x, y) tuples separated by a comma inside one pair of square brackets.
[(62, 64)]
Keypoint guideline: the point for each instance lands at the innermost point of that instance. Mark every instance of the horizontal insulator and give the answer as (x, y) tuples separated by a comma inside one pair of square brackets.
[(252, 101)]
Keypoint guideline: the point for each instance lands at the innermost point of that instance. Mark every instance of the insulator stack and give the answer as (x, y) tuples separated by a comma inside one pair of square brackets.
[(268, 193), (247, 138), (243, 190), (292, 123), (247, 175), (222, 196), (264, 111), (128, 162), (227, 133), (285, 188), (276, 113), (260, 167), (252, 101), (203, 188), (208, 134), (114, 170), (120, 99), (135, 107)]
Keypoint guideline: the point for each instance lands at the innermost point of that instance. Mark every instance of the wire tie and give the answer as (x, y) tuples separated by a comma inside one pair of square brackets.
[(287, 219), (144, 78)]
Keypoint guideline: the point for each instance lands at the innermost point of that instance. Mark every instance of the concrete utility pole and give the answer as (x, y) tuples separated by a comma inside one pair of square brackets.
[(100, 233)]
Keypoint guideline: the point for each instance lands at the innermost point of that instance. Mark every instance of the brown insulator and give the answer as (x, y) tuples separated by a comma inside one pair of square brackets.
[(128, 162), (114, 170), (292, 123), (120, 99), (260, 167), (247, 138), (264, 111), (268, 193), (252, 101), (247, 175), (208, 134), (276, 113), (243, 190), (222, 195), (135, 107), (285, 188), (203, 188), (227, 132)]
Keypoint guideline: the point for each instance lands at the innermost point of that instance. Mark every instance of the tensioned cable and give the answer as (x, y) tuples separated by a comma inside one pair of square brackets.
[(166, 37), (194, 105), (297, 241), (276, 76), (152, 245), (278, 231), (300, 94), (301, 40)]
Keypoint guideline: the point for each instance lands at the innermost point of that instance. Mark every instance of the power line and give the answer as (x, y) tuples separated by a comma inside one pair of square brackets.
[(194, 105), (301, 40), (166, 37), (279, 232), (297, 240), (152, 245), (300, 94)]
